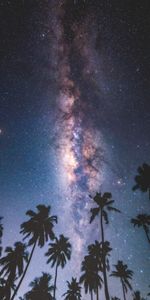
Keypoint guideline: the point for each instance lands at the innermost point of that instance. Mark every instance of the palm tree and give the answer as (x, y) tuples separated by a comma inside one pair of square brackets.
[(1, 233), (142, 220), (91, 279), (39, 229), (137, 296), (74, 290), (40, 288), (13, 262), (104, 204), (58, 253), (143, 179), (100, 252), (12, 267), (124, 274), (95, 251)]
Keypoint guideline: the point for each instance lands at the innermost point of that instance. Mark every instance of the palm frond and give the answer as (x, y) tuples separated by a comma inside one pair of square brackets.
[(94, 213)]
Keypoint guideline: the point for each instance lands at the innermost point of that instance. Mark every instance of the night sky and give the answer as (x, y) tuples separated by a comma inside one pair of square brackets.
[(75, 119)]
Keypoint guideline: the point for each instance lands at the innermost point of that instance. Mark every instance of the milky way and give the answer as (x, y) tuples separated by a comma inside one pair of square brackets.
[(80, 144)]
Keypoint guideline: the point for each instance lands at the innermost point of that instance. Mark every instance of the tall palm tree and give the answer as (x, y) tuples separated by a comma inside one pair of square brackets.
[(58, 254), (124, 274), (39, 229), (12, 266), (41, 288), (143, 220), (13, 262), (90, 277), (137, 296), (100, 252), (143, 179), (104, 204), (74, 290), (1, 233)]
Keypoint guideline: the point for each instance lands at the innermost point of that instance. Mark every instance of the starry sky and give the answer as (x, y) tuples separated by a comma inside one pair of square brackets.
[(74, 119)]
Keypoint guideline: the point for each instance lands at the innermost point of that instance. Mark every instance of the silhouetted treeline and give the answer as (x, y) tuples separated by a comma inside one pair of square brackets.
[(96, 272)]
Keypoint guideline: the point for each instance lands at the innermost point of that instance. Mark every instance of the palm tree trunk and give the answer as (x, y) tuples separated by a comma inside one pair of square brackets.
[(91, 295), (103, 258), (124, 294), (55, 281), (146, 234), (26, 268)]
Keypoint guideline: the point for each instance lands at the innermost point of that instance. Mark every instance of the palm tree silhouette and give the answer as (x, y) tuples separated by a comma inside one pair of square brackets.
[(124, 274), (74, 290), (104, 204), (137, 296), (95, 251), (13, 262), (143, 179), (41, 288), (90, 277), (58, 253), (142, 220), (1, 234), (39, 229), (13, 265), (100, 251)]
